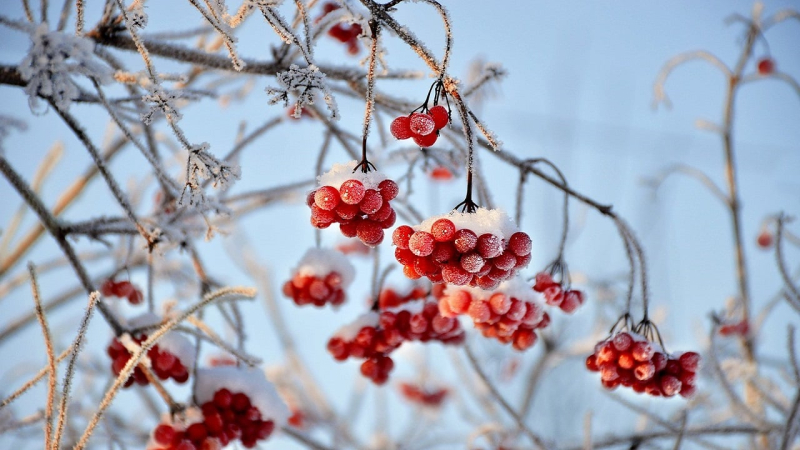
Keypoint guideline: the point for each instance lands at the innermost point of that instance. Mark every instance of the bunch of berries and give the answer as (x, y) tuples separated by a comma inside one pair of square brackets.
[(345, 33), (373, 336), (555, 294), (510, 314), (630, 360), (422, 127), (423, 396), (227, 417), (358, 202), (479, 249), (126, 289), (165, 364), (320, 278)]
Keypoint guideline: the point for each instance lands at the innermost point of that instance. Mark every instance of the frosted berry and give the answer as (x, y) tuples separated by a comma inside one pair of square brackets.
[(440, 116), (426, 140), (326, 197), (764, 239), (352, 192), (388, 189), (421, 124), (443, 230), (400, 128), (421, 243), (401, 236)]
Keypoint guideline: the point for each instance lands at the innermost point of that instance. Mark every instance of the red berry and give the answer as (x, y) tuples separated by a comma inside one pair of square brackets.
[(644, 371), (124, 289), (352, 192), (572, 300), (543, 281), (659, 360), (622, 341), (240, 402), (223, 398), (185, 445), (472, 262), (626, 361), (443, 230), (108, 288), (214, 423), (421, 124), (135, 297), (371, 202), (687, 390), (670, 385), (421, 243), (326, 197), (489, 245), (524, 339), (196, 432), (440, 116), (349, 229), (465, 240), (591, 363), (388, 189), (454, 274), (642, 351), (164, 361), (400, 128), (425, 141), (164, 434), (764, 239), (401, 235), (690, 361), (369, 232), (520, 243), (441, 174), (553, 295), (506, 261), (443, 252), (500, 303), (766, 66)]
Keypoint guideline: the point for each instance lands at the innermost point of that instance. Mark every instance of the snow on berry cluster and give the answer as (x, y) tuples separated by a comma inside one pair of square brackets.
[(630, 360), (235, 404), (122, 289), (422, 127), (477, 249), (320, 278), (511, 313), (556, 295), (431, 397), (345, 33), (373, 336), (358, 202)]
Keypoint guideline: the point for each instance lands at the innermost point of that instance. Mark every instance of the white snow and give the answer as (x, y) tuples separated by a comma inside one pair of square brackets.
[(340, 173), (322, 261), (348, 332), (173, 342), (482, 221), (249, 381)]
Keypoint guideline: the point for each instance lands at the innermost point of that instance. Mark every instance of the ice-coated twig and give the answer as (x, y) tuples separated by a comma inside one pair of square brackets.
[(792, 423), (792, 293), (26, 6), (691, 172), (32, 382), (66, 8), (147, 344), (792, 353), (224, 31), (77, 346), (660, 95), (206, 332), (51, 357)]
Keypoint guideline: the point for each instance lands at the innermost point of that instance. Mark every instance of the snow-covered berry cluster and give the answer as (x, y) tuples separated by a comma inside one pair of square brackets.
[(555, 294), (429, 397), (373, 336), (235, 405), (630, 360), (122, 289), (320, 278), (422, 127), (511, 313), (358, 202), (477, 249)]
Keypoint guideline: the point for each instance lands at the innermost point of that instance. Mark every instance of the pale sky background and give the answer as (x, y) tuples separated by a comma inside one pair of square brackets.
[(578, 91)]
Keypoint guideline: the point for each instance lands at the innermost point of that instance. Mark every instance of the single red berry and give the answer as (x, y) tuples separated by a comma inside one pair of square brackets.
[(421, 124), (440, 173), (489, 245), (453, 273), (214, 423), (223, 398), (240, 402), (400, 128), (425, 141), (659, 360), (543, 281), (347, 211), (766, 66), (520, 243), (135, 297), (670, 385), (690, 361), (626, 361), (440, 116), (421, 243), (764, 239), (472, 262), (108, 288), (369, 232), (371, 202), (644, 371), (326, 197), (443, 230), (465, 240), (185, 445), (642, 350), (164, 434), (591, 363), (352, 192), (622, 341), (401, 236), (388, 189), (196, 432)]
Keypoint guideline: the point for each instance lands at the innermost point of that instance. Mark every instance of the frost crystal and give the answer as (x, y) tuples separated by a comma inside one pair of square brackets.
[(264, 3), (52, 59), (136, 16), (164, 101), (303, 83), (201, 166)]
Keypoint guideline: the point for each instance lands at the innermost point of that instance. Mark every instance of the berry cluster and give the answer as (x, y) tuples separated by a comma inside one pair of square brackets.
[(422, 396), (344, 33), (556, 295), (164, 363), (320, 278), (227, 417), (358, 202), (477, 249), (126, 289), (373, 336), (509, 314), (422, 127), (630, 360)]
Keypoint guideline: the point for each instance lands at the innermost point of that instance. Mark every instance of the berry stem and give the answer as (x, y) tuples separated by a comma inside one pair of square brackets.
[(565, 208), (374, 27), (468, 205)]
